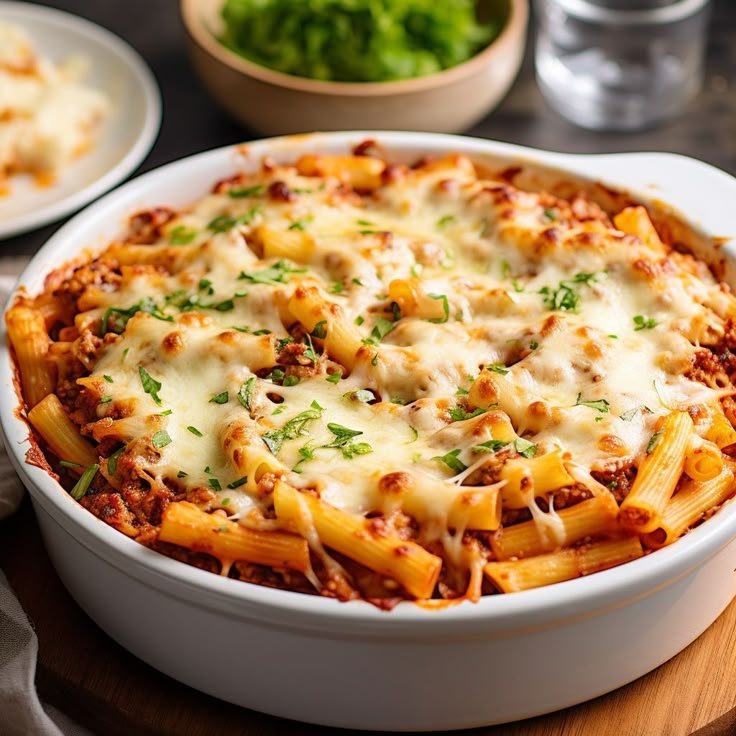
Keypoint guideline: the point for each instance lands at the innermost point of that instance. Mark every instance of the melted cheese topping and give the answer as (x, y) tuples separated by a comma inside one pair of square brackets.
[(47, 118), (587, 334)]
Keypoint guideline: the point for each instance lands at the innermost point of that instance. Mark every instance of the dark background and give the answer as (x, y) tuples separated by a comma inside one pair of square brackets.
[(192, 123)]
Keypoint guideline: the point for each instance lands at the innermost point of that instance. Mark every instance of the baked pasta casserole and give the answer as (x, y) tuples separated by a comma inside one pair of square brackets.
[(385, 382)]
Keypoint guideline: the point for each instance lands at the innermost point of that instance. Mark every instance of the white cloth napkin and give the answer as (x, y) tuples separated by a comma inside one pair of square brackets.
[(21, 712)]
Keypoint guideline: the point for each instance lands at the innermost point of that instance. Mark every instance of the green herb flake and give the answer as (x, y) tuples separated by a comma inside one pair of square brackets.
[(291, 381), (82, 485), (115, 319), (320, 329), (235, 484), (505, 269), (489, 446), (220, 398), (245, 393), (498, 368), (298, 225), (524, 447), (262, 331), (240, 192), (112, 461), (150, 385), (600, 405), (337, 287), (551, 214), (362, 395), (182, 235), (334, 377), (69, 464), (654, 441), (459, 414), (295, 427), (382, 327), (194, 431), (445, 309), (214, 483), (359, 320), (644, 323), (160, 439), (357, 281), (283, 342), (276, 274), (445, 220), (452, 460), (108, 378), (106, 399), (182, 474)]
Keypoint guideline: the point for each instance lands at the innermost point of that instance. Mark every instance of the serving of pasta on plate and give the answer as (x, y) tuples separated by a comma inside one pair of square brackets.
[(387, 382)]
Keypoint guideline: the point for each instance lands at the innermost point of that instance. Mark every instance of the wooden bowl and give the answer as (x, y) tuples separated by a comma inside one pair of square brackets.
[(270, 102)]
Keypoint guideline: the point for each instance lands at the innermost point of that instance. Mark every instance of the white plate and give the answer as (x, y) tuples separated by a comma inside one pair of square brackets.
[(126, 136)]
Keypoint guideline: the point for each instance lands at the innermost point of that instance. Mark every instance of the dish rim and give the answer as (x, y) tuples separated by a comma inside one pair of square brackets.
[(60, 21), (515, 25), (581, 597)]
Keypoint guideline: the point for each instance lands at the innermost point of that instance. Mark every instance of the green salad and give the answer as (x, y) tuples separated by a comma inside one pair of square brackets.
[(355, 40)]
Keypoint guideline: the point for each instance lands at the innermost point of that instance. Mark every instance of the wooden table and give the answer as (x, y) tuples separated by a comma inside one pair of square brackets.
[(87, 675)]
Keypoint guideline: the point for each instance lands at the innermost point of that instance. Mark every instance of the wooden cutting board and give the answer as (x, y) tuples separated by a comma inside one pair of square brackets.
[(88, 676)]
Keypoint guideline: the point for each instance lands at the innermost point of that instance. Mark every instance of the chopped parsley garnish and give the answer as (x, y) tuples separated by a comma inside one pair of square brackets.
[(291, 381), (524, 447), (235, 484), (82, 485), (150, 385), (115, 319), (505, 269), (309, 352), (262, 331), (238, 192), (382, 327), (283, 342), (600, 405), (334, 377), (182, 474), (367, 223), (336, 287), (357, 281), (654, 441), (245, 393), (194, 431), (533, 345), (160, 439), (320, 329), (551, 213), (295, 427), (106, 399), (276, 274), (644, 323), (459, 414), (452, 460), (112, 461), (445, 309), (277, 374), (498, 368), (108, 378), (359, 320), (298, 225), (445, 220), (489, 446), (343, 441), (225, 306), (223, 223), (220, 398), (627, 416), (214, 483), (517, 288), (182, 235), (566, 296)]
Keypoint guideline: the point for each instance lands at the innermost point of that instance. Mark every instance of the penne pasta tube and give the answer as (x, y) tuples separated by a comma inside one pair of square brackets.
[(27, 333), (542, 474), (591, 517), (60, 433), (688, 505), (186, 525), (658, 474), (296, 245), (703, 460), (720, 431), (534, 572), (636, 221), (360, 172), (404, 561), (248, 454)]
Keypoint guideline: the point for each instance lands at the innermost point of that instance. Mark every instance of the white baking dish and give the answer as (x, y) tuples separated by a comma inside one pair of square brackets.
[(349, 664)]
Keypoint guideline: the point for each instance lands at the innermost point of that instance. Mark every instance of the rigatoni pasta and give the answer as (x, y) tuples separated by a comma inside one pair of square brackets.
[(374, 381)]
